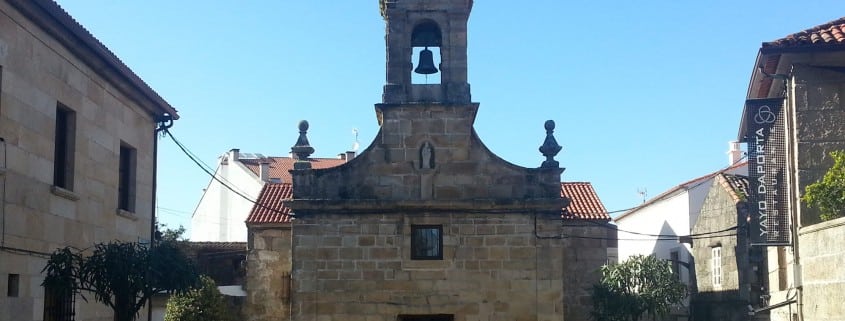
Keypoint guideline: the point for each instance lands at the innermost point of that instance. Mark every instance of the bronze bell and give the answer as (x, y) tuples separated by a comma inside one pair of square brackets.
[(426, 65)]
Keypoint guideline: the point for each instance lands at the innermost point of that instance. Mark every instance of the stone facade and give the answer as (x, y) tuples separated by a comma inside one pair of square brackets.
[(586, 248), (351, 235), (496, 247), (822, 255), (268, 274), (43, 70), (741, 272), (803, 281), (494, 267), (589, 245), (819, 121)]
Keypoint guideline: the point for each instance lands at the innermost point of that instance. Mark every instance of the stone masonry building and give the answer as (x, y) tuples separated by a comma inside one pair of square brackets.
[(795, 116), (730, 274), (77, 154), (427, 223), (269, 260)]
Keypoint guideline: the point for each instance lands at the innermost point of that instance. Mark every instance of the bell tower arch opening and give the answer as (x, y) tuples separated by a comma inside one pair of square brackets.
[(426, 46), (426, 40)]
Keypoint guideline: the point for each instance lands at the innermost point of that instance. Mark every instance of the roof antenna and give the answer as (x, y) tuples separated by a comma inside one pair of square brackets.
[(355, 144), (643, 192)]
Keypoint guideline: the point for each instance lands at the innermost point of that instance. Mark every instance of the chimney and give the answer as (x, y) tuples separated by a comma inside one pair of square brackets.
[(734, 152), (264, 171), (350, 155), (341, 156), (234, 154)]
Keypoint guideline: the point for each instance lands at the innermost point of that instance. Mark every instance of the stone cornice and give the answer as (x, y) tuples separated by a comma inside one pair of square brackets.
[(457, 206)]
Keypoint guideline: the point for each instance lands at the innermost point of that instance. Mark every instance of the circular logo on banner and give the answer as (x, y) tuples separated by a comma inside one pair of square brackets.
[(764, 115)]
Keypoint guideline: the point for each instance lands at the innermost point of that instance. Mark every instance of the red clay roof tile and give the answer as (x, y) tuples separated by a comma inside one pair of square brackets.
[(828, 34), (217, 246), (584, 202), (269, 207), (280, 166)]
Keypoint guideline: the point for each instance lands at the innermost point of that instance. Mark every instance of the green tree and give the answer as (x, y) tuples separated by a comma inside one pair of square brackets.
[(121, 275), (171, 235), (204, 303), (828, 194), (638, 286)]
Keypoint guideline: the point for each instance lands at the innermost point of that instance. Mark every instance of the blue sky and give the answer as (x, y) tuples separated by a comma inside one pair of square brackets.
[(645, 94)]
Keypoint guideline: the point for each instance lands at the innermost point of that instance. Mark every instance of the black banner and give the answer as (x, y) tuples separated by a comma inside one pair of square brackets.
[(768, 197)]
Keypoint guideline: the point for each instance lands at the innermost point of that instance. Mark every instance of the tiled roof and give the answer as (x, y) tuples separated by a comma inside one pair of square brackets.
[(269, 207), (217, 245), (280, 166), (825, 35), (683, 186), (584, 202), (737, 185)]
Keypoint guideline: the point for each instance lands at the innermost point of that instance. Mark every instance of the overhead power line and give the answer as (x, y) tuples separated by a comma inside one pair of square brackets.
[(659, 237), (194, 159)]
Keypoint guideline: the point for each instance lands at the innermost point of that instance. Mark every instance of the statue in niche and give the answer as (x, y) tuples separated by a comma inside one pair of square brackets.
[(426, 156)]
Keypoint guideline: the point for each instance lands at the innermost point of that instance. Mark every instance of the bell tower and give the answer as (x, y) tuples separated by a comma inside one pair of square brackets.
[(436, 30), (427, 218)]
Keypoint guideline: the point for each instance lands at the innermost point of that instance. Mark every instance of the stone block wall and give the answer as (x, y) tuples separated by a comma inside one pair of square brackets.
[(268, 276), (741, 282), (819, 126), (818, 117), (718, 213), (494, 267), (822, 255), (460, 167), (38, 73), (585, 252)]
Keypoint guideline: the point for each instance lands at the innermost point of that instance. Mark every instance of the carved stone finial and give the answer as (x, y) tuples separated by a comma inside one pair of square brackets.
[(550, 148), (302, 149)]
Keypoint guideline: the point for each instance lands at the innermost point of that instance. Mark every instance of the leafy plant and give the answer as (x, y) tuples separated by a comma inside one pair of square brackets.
[(828, 194), (201, 304), (638, 286), (121, 275)]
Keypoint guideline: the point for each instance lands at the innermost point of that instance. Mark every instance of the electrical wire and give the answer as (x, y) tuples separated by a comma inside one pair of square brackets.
[(704, 179), (205, 168), (660, 235), (193, 158), (676, 238)]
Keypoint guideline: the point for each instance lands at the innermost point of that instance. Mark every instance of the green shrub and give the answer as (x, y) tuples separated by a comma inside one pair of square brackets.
[(201, 304), (641, 285), (828, 194)]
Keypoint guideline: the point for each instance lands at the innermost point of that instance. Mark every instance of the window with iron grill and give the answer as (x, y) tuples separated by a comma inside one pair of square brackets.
[(426, 242), (58, 304)]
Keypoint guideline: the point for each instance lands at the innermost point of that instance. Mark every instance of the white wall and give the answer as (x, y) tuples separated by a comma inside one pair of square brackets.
[(220, 214), (669, 215)]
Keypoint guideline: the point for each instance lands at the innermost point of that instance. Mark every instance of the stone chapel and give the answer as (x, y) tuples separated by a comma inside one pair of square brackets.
[(426, 224)]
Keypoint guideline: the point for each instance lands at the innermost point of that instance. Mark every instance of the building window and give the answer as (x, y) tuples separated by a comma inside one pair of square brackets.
[(675, 260), (716, 265), (64, 147), (13, 285), (426, 242), (58, 304), (126, 179)]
